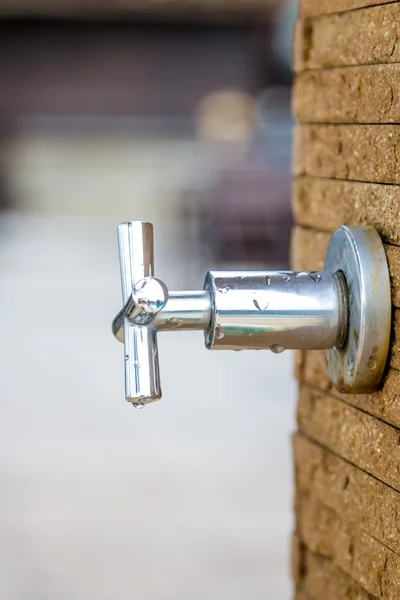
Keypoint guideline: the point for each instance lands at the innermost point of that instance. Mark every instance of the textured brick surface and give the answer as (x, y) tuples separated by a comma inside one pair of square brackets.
[(395, 351), (301, 596), (350, 152), (297, 559), (298, 364), (384, 403), (366, 94), (363, 440), (315, 370), (329, 41), (365, 559), (349, 491), (393, 257), (309, 249), (322, 580), (321, 7), (346, 165), (328, 204)]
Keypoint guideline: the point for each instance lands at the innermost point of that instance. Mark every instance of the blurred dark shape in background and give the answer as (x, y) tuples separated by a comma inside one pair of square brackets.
[(244, 215), (215, 69)]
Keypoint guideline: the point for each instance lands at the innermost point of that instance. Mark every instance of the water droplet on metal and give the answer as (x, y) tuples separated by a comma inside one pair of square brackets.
[(126, 357), (276, 349), (286, 278), (258, 307), (224, 290), (315, 277), (267, 280), (136, 364), (301, 274), (372, 364), (174, 322), (219, 332), (139, 406)]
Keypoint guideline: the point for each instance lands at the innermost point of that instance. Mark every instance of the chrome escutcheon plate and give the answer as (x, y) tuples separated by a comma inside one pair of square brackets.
[(358, 366)]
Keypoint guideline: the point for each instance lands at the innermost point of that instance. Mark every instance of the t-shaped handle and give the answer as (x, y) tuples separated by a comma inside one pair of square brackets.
[(136, 257), (344, 310)]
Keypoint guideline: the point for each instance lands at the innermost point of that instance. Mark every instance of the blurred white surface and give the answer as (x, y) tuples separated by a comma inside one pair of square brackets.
[(187, 499)]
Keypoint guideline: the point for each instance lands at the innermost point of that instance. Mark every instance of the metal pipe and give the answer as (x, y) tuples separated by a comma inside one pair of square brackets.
[(276, 310), (185, 311), (142, 378)]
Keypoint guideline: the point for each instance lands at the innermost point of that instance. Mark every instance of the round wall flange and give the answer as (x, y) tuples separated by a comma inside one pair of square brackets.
[(358, 253)]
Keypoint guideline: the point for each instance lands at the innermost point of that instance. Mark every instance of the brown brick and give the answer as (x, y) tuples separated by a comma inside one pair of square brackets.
[(367, 94), (311, 8), (350, 152), (363, 440), (309, 249), (329, 41), (299, 49), (298, 364), (315, 370), (322, 580), (297, 559), (395, 350), (350, 492), (299, 595), (384, 403), (393, 257), (363, 558), (328, 204)]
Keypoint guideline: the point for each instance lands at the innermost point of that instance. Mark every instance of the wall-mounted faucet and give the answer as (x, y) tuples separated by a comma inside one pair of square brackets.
[(344, 310)]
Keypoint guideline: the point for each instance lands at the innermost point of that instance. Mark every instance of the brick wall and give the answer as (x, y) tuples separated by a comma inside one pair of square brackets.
[(347, 171)]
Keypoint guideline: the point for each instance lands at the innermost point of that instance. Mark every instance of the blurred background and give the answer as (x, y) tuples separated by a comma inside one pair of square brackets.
[(176, 112)]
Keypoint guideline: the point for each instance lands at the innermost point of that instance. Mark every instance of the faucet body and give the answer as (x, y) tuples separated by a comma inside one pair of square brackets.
[(257, 310)]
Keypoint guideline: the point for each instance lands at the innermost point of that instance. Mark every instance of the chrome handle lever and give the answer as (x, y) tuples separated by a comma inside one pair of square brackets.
[(136, 257), (344, 310)]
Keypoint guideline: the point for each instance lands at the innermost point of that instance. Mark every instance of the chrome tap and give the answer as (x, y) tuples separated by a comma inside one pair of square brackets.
[(344, 310)]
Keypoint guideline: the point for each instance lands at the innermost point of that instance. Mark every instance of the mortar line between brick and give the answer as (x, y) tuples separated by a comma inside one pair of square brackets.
[(337, 67), (343, 401), (350, 10), (353, 124), (320, 178), (344, 180), (326, 449), (361, 529), (309, 492), (317, 124), (317, 230), (328, 558)]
